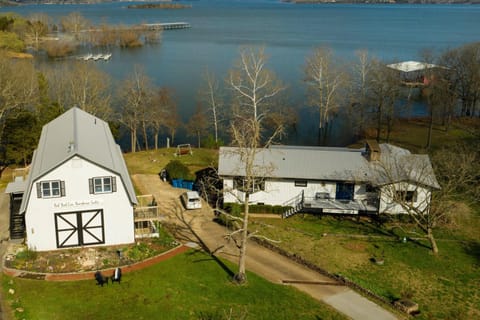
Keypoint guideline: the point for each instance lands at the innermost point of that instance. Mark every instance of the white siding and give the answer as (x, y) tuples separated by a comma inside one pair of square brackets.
[(118, 211), (280, 192), (387, 205)]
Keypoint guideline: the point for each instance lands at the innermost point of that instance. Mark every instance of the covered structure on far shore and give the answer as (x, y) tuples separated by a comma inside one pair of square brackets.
[(414, 73)]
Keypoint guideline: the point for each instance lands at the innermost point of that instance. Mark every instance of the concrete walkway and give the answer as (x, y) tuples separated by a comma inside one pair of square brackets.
[(197, 226)]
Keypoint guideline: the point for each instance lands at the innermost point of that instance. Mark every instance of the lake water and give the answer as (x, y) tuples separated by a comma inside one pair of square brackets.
[(289, 32)]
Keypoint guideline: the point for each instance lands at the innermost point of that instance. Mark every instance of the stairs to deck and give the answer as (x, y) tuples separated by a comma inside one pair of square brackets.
[(17, 221), (296, 205)]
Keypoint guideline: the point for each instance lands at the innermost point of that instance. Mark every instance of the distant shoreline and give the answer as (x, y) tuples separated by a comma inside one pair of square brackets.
[(466, 2), (159, 4), (163, 5)]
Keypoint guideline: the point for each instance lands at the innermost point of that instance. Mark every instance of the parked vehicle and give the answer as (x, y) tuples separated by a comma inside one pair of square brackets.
[(191, 200)]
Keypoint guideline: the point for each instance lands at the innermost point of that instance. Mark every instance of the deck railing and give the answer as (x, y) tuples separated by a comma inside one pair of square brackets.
[(295, 204)]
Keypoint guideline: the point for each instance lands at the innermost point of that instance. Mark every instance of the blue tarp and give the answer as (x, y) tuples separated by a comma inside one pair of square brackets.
[(180, 183)]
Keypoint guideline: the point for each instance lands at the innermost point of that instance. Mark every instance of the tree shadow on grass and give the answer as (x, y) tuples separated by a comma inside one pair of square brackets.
[(472, 248), (184, 231), (211, 257)]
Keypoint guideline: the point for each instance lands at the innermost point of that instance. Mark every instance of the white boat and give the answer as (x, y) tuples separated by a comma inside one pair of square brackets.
[(107, 56), (88, 57)]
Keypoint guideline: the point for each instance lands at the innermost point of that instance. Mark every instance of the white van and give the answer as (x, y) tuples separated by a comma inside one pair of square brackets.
[(191, 200)]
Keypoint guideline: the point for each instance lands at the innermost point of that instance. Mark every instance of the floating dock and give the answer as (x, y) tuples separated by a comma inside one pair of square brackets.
[(166, 26)]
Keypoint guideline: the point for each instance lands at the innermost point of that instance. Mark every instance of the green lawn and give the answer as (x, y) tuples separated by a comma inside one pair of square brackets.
[(445, 286), (151, 162), (188, 286)]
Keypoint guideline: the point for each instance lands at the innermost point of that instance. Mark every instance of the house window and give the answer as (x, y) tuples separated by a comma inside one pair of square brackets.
[(51, 189), (256, 185), (102, 185), (408, 196), (301, 183), (370, 188)]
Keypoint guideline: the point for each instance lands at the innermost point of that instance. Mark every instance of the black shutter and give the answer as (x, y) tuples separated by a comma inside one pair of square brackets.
[(62, 188), (39, 190), (114, 184), (90, 185)]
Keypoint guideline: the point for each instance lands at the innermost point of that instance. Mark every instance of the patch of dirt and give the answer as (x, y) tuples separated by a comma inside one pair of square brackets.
[(355, 246)]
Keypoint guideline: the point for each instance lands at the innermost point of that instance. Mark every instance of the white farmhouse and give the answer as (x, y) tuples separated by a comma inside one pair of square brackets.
[(78, 191), (369, 180)]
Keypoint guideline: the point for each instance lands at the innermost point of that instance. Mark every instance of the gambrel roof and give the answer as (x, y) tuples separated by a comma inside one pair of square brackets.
[(77, 133), (331, 164)]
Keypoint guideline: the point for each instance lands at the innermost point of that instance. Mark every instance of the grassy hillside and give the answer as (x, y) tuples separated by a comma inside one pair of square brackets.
[(188, 286)]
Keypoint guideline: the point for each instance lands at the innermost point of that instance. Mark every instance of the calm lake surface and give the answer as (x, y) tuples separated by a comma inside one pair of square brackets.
[(289, 33)]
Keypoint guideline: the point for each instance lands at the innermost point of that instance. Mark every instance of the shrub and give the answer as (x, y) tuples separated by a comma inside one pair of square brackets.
[(177, 170), (236, 209)]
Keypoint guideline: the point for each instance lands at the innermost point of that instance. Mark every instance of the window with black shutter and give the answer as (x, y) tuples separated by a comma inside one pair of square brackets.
[(51, 189), (99, 185)]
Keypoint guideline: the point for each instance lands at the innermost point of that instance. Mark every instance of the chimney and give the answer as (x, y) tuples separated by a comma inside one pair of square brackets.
[(372, 150)]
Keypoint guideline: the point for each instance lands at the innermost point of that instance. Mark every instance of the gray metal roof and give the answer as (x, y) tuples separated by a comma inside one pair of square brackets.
[(326, 163), (77, 133), (17, 186), (291, 162)]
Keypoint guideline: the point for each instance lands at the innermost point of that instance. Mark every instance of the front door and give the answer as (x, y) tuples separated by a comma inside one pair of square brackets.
[(79, 228), (345, 191)]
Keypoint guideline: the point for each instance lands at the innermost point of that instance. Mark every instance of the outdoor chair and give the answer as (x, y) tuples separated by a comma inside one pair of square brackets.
[(101, 279), (117, 275)]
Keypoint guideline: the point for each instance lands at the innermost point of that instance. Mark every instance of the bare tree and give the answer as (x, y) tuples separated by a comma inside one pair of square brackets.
[(18, 91), (211, 96), (359, 106), (37, 27), (197, 125), (464, 75), (324, 80), (384, 91), (253, 87), (406, 183), (82, 85), (136, 96), (162, 107), (75, 23)]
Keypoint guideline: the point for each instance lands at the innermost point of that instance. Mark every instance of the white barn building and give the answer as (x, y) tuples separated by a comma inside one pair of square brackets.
[(331, 180), (78, 191)]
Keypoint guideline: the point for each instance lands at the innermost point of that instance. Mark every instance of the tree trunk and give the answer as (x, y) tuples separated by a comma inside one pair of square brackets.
[(133, 139), (155, 139), (430, 129), (241, 276), (433, 242), (145, 136), (379, 122)]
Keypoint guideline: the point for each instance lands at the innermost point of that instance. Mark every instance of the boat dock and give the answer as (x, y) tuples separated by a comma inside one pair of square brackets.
[(95, 57), (166, 26)]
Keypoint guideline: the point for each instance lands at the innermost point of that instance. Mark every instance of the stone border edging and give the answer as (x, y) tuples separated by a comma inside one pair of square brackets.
[(336, 277), (89, 275)]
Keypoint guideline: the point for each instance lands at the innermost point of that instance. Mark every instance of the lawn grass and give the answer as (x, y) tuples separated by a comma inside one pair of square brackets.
[(153, 161), (445, 286), (412, 134), (189, 286)]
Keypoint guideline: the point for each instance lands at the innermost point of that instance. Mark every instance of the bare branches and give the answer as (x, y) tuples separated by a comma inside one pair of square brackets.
[(324, 81)]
